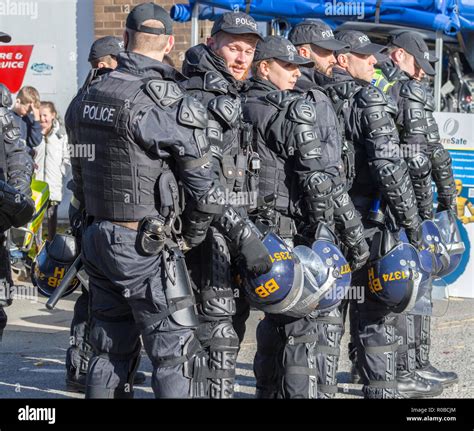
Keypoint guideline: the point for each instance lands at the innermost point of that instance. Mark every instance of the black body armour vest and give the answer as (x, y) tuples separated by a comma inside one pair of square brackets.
[(122, 182)]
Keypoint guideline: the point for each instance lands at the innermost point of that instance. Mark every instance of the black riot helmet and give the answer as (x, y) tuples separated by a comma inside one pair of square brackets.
[(52, 262)]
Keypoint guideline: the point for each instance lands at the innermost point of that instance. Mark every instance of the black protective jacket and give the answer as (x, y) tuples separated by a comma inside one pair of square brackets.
[(420, 140), (294, 178), (147, 134), (380, 170), (230, 137)]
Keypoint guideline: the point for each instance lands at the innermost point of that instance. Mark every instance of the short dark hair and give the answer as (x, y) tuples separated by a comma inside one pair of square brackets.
[(105, 59), (145, 41)]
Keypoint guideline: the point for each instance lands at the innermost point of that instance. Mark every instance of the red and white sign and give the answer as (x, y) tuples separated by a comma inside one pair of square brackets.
[(14, 61)]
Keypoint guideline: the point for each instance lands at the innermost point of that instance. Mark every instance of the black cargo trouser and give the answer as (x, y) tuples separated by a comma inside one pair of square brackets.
[(127, 293)]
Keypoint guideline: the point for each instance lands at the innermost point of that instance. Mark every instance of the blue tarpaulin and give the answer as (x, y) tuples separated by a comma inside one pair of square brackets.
[(449, 16)]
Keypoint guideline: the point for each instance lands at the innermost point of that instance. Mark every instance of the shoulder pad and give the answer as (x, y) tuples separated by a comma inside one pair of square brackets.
[(5, 97), (227, 108), (164, 93), (370, 96), (317, 94), (192, 113), (391, 72), (413, 90), (392, 107), (215, 82), (302, 111), (8, 125), (281, 99), (343, 89)]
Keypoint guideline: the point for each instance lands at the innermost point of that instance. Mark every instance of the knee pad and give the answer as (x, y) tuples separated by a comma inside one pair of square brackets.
[(299, 362), (377, 356), (216, 297), (223, 349), (116, 345), (422, 340), (406, 359), (328, 352)]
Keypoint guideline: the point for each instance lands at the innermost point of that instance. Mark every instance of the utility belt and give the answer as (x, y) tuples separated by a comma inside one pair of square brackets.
[(153, 232)]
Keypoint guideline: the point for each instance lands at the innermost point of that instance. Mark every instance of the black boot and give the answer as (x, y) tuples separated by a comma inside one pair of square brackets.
[(411, 385), (78, 383), (445, 378)]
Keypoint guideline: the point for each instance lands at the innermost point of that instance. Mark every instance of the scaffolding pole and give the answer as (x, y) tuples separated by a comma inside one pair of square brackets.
[(195, 25), (438, 80)]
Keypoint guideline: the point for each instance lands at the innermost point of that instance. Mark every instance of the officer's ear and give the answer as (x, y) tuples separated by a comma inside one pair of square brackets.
[(169, 44), (304, 51), (211, 43), (263, 69), (398, 55), (342, 60)]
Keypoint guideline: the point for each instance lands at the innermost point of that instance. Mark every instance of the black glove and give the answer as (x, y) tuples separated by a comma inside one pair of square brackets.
[(255, 256), (415, 236), (358, 255), (16, 208), (446, 203)]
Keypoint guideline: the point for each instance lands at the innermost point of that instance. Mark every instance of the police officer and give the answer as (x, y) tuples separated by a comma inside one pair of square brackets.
[(104, 52), (299, 167), (314, 40), (102, 58), (146, 132), (215, 71), (379, 171), (16, 206), (401, 76)]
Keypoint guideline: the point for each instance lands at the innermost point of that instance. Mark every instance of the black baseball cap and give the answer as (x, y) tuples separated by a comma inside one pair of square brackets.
[(317, 32), (236, 23), (413, 43), (108, 45), (5, 38), (145, 11), (281, 49), (359, 43)]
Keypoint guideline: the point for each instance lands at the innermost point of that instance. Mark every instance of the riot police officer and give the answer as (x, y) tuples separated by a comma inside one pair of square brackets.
[(379, 171), (401, 77), (147, 132), (298, 181), (314, 40), (16, 206), (215, 72), (102, 58)]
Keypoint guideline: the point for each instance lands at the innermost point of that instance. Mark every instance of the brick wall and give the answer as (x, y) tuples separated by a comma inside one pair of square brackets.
[(110, 18)]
